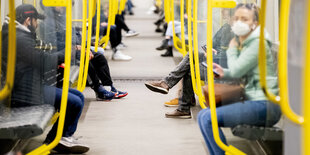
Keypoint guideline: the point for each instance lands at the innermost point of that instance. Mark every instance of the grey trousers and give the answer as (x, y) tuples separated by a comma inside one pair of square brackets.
[(183, 71)]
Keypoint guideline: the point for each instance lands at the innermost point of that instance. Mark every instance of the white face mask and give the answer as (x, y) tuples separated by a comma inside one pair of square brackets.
[(241, 29)]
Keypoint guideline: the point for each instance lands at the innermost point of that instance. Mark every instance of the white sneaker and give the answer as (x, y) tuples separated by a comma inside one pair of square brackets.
[(119, 56), (121, 46), (131, 33), (71, 145)]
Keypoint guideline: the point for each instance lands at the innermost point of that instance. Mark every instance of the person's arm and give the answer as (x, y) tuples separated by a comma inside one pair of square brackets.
[(238, 66)]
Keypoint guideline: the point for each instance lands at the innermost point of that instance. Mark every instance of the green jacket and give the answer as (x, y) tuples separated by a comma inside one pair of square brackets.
[(243, 63)]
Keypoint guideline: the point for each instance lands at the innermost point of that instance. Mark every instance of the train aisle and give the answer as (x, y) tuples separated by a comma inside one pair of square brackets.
[(137, 124)]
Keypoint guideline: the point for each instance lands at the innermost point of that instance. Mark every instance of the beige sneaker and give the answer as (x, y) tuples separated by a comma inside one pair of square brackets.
[(158, 86)]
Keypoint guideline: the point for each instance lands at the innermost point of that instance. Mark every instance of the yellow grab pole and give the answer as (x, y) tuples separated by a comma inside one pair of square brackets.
[(213, 4), (10, 74), (262, 56), (98, 25), (83, 46), (306, 88), (89, 34), (282, 62), (44, 149), (175, 38), (196, 56), (111, 19), (190, 46)]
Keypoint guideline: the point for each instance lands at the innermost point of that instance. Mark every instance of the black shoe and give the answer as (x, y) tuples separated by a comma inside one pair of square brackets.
[(164, 45), (158, 30), (168, 53), (158, 22), (131, 13)]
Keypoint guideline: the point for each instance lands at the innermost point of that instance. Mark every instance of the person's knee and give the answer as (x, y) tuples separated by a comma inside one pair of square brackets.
[(204, 117)]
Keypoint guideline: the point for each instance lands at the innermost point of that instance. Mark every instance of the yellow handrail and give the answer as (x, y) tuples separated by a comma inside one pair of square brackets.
[(89, 34), (44, 149), (122, 5), (176, 39), (98, 25), (83, 46), (11, 60), (190, 46), (111, 18), (216, 4), (282, 62), (167, 10), (262, 56), (196, 56), (306, 88)]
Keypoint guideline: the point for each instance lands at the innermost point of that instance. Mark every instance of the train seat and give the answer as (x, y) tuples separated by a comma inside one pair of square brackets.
[(258, 133), (24, 122)]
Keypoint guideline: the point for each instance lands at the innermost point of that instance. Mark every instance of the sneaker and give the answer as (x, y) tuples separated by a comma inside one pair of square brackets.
[(158, 86), (131, 33), (104, 95), (118, 94), (121, 46), (179, 114), (175, 102), (131, 13), (119, 56), (71, 145), (172, 103)]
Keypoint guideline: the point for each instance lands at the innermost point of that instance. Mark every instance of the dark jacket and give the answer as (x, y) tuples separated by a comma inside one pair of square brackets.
[(32, 64)]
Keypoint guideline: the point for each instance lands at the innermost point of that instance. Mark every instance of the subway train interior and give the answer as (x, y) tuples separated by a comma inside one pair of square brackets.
[(155, 77)]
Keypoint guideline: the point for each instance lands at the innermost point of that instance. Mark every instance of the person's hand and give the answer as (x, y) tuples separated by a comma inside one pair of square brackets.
[(214, 51), (219, 70), (78, 47), (104, 24), (91, 56), (233, 43)]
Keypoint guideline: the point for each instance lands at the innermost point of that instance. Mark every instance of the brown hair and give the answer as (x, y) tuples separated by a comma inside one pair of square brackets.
[(250, 6)]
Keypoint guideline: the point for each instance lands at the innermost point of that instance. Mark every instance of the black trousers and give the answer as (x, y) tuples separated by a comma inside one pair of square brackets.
[(99, 70), (115, 36)]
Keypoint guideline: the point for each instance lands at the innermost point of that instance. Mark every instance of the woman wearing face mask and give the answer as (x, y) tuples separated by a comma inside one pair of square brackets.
[(242, 61)]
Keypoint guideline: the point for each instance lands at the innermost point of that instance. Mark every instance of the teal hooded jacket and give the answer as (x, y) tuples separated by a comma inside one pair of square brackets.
[(243, 63)]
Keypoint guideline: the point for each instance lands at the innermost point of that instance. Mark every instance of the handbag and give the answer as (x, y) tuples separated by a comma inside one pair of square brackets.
[(225, 93)]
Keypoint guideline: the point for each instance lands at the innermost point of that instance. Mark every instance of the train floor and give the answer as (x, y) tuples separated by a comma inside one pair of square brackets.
[(136, 124)]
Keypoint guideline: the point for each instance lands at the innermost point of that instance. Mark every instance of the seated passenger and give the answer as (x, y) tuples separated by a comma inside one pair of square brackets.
[(30, 88), (99, 70), (182, 71), (115, 34), (242, 62)]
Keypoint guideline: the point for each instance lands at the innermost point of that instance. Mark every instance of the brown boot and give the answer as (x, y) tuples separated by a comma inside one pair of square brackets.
[(179, 114), (158, 86)]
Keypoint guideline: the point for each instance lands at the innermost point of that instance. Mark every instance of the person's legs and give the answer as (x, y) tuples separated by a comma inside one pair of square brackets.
[(100, 64), (120, 23), (75, 106), (258, 113), (178, 73)]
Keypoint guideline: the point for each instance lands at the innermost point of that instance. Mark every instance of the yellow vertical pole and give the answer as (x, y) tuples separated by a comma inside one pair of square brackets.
[(196, 55), (306, 88), (83, 46), (282, 62), (89, 34), (11, 60), (190, 45), (98, 24), (44, 149)]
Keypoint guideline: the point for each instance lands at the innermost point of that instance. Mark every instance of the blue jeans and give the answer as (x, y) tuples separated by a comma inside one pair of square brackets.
[(74, 110), (256, 113)]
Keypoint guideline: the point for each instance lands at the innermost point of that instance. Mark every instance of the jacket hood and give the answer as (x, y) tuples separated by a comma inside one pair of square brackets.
[(255, 35), (18, 25)]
